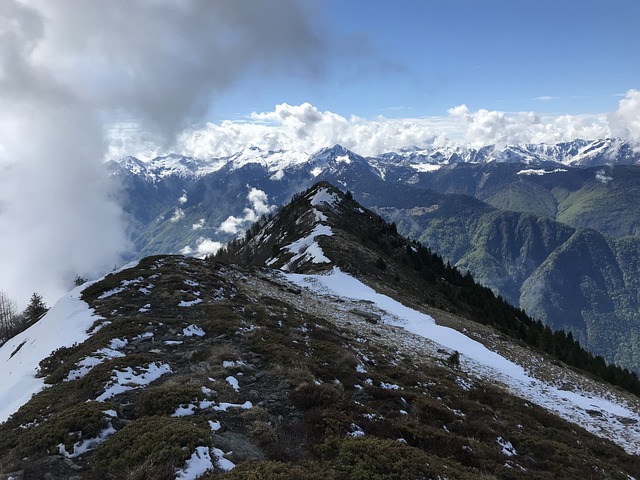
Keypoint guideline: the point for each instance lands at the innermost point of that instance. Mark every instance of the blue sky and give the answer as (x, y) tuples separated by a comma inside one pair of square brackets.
[(420, 58)]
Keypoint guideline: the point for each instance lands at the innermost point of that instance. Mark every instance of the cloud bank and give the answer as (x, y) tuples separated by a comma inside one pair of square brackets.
[(305, 128), (68, 68), (259, 206)]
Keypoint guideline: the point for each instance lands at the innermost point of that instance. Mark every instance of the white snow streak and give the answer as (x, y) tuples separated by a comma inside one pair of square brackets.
[(199, 463), (129, 378), (572, 406), (308, 249)]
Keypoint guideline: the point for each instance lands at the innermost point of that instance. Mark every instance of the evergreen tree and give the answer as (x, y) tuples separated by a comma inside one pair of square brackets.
[(35, 310)]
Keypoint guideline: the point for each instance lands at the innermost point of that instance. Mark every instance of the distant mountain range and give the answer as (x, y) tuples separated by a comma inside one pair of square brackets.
[(551, 228)]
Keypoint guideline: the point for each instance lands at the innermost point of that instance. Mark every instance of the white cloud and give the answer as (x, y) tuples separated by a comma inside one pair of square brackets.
[(304, 128), (178, 215), (183, 198), (259, 206), (602, 177), (204, 246), (485, 127), (625, 121), (259, 201), (232, 224), (67, 68), (199, 225)]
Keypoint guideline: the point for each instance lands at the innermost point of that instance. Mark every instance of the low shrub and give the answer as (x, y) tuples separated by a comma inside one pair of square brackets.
[(160, 440), (312, 395), (370, 458), (270, 470), (81, 421), (165, 399)]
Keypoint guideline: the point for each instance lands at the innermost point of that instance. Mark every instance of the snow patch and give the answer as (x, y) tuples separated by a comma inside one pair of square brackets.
[(307, 248), (66, 323), (191, 303), (128, 379), (233, 381), (192, 330), (323, 196), (86, 444), (223, 407), (221, 462), (533, 171), (110, 293), (199, 463), (117, 343), (184, 410), (425, 167), (507, 447), (356, 431), (87, 364)]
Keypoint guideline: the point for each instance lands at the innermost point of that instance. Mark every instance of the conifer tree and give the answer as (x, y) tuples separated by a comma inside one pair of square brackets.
[(35, 310)]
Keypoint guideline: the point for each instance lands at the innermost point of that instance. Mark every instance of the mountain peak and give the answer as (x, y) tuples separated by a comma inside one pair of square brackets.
[(324, 192), (291, 239)]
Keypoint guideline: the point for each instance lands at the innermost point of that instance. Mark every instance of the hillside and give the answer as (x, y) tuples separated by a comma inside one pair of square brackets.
[(188, 368), (511, 246), (572, 279), (602, 198)]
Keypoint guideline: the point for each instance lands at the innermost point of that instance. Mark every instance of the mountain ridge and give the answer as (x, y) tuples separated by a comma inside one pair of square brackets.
[(577, 153), (177, 214), (197, 368)]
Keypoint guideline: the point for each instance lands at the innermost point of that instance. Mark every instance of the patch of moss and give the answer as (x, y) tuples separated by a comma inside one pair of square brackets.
[(81, 421), (161, 440), (271, 470), (165, 399), (369, 458)]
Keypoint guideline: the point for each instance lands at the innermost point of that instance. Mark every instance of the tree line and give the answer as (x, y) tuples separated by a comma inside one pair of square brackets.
[(13, 321), (490, 309)]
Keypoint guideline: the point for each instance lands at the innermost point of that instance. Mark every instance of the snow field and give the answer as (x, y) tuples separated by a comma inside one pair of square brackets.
[(66, 323)]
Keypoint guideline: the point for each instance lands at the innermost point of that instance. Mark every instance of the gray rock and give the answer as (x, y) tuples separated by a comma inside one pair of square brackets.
[(241, 446)]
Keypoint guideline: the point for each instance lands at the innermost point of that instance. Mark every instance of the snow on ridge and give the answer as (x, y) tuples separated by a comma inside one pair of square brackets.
[(426, 167), (324, 196), (615, 420), (307, 248), (541, 171)]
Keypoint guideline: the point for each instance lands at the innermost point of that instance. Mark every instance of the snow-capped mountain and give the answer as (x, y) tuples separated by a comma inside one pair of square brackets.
[(578, 153)]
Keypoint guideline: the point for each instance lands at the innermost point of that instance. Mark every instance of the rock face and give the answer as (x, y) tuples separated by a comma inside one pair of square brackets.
[(260, 368)]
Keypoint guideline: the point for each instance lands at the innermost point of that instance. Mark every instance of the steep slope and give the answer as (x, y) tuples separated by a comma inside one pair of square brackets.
[(603, 198), (572, 279), (193, 368)]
